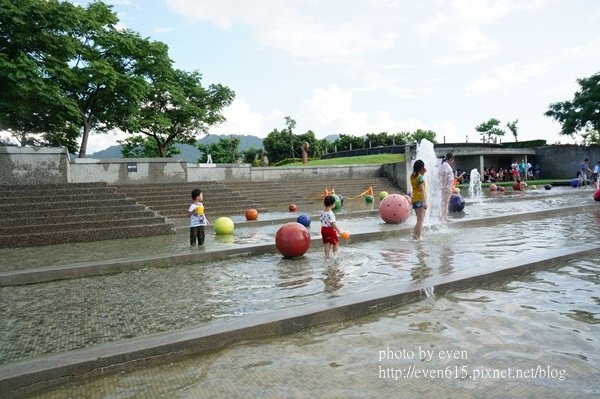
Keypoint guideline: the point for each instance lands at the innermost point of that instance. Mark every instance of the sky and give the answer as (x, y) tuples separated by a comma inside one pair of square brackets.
[(362, 66)]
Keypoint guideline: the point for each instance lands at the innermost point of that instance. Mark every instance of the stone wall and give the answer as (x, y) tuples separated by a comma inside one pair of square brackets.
[(128, 171), (33, 165), (562, 161)]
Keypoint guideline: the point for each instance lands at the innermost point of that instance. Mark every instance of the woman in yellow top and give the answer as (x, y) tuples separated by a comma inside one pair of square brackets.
[(419, 196)]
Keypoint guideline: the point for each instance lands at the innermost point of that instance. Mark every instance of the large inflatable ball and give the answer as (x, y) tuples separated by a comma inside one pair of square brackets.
[(304, 220), (394, 208), (574, 183), (547, 187), (456, 203), (597, 195), (338, 202), (292, 240), (493, 187), (383, 194), (251, 214), (223, 226)]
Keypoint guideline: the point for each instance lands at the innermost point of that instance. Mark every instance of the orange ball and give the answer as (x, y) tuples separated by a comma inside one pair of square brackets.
[(251, 214), (292, 207), (345, 235)]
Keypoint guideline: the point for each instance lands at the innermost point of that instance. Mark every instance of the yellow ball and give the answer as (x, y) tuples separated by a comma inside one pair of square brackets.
[(223, 226)]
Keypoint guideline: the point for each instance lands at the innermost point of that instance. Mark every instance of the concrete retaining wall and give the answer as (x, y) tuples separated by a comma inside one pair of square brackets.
[(562, 161), (33, 165), (128, 171)]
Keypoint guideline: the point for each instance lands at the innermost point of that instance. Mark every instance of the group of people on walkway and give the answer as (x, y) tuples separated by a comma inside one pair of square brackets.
[(582, 174)]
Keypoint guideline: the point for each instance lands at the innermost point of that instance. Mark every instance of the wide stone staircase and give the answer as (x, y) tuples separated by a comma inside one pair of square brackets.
[(173, 200), (36, 215), (275, 194), (233, 198)]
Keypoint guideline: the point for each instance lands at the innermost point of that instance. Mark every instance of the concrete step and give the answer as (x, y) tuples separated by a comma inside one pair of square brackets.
[(79, 225), (84, 235), (63, 197), (7, 209), (111, 212)]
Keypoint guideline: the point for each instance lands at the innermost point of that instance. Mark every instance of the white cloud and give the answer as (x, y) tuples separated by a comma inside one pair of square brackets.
[(305, 30), (507, 76), (240, 120)]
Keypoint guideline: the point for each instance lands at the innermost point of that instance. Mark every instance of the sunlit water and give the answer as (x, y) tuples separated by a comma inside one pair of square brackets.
[(475, 186), (543, 327)]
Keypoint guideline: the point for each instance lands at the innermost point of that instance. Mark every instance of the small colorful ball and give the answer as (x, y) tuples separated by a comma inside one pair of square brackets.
[(251, 214), (368, 198), (345, 235), (383, 194), (338, 202), (456, 203), (223, 226), (304, 220), (493, 187), (292, 207)]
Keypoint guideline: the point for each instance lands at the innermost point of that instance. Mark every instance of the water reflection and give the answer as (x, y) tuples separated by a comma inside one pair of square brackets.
[(294, 272), (333, 277)]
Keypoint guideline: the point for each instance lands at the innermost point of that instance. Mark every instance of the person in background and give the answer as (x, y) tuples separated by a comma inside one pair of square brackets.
[(447, 183), (596, 176)]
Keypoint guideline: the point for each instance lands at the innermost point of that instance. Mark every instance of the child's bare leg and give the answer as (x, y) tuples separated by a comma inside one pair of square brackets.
[(327, 248), (336, 249)]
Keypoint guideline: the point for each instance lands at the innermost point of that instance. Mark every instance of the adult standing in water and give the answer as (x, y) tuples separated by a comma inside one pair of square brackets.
[(447, 184)]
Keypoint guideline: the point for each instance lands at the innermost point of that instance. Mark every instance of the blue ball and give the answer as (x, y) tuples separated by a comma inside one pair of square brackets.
[(574, 183), (456, 204), (547, 187), (304, 220)]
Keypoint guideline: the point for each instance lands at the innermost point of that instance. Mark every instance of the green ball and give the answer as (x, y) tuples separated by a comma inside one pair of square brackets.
[(533, 187), (338, 202), (223, 226), (383, 194), (369, 198)]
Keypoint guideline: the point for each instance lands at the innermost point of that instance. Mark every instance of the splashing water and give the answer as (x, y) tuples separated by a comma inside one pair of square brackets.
[(475, 185), (427, 292), (426, 153)]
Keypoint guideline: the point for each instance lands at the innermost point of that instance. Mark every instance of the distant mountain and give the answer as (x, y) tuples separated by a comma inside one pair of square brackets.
[(188, 152)]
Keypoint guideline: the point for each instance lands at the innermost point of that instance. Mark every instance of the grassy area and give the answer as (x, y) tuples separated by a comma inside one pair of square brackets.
[(376, 159)]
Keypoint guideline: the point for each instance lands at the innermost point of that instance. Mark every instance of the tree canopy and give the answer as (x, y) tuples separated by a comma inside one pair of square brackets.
[(67, 71), (490, 130), (581, 115)]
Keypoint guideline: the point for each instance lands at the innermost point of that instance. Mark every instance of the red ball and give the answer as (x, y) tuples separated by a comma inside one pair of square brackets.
[(292, 240), (292, 207), (517, 186), (251, 214), (597, 195), (493, 187), (501, 188), (395, 208)]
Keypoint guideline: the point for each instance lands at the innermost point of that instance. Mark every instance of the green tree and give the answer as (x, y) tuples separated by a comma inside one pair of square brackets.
[(489, 130), (346, 142), (177, 108), (581, 115), (139, 146), (252, 156), (223, 151), (280, 144), (421, 134), (36, 40), (512, 126)]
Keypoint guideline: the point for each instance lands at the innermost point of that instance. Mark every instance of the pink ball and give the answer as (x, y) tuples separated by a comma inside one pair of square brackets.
[(501, 188), (597, 195), (493, 187), (292, 240), (394, 208)]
